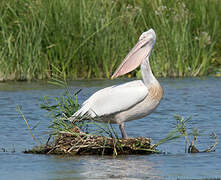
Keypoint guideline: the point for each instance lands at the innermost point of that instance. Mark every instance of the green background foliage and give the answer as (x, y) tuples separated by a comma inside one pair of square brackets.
[(89, 38)]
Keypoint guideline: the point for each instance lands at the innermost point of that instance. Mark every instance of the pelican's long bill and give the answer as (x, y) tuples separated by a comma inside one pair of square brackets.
[(134, 58)]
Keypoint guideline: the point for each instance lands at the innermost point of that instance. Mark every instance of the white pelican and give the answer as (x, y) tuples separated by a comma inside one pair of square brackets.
[(131, 100)]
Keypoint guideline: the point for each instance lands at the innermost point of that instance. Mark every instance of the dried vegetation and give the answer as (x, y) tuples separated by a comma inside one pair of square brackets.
[(84, 144)]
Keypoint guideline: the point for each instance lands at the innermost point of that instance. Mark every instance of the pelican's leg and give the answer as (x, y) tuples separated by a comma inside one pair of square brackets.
[(123, 132)]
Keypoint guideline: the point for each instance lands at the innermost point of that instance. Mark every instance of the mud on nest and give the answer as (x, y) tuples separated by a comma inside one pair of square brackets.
[(76, 142)]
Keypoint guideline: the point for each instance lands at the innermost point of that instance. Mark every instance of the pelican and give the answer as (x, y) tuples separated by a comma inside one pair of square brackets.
[(132, 100)]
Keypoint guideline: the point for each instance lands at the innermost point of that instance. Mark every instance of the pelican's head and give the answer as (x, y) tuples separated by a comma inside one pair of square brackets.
[(148, 36), (139, 52)]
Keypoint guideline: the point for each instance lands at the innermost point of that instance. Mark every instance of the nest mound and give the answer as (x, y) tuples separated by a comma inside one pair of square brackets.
[(77, 143)]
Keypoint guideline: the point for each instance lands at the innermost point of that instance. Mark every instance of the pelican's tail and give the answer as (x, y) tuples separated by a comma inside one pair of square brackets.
[(84, 112)]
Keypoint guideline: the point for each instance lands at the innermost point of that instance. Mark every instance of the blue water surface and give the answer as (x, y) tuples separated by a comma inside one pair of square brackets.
[(199, 98)]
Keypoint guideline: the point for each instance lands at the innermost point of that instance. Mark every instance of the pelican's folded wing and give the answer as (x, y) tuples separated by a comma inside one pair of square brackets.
[(113, 99)]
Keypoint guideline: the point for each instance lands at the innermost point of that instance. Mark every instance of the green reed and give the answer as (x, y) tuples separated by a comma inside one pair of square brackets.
[(188, 32), (89, 39)]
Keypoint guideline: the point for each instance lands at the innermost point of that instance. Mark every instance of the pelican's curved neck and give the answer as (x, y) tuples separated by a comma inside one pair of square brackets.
[(146, 72)]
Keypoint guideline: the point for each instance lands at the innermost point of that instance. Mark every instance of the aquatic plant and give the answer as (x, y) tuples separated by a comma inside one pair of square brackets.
[(18, 108), (180, 130), (89, 39)]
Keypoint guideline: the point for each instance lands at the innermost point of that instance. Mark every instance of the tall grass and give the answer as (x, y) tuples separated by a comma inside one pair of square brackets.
[(188, 32), (87, 39)]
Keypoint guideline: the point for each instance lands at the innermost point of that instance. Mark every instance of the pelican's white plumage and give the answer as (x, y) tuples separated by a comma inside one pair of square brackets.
[(114, 99), (131, 100)]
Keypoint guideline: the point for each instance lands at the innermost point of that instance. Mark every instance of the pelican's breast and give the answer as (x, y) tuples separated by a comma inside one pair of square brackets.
[(155, 92), (143, 108)]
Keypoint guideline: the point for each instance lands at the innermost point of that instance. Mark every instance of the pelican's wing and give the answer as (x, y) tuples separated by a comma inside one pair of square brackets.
[(113, 99)]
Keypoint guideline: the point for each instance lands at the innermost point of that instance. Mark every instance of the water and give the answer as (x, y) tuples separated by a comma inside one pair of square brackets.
[(199, 98)]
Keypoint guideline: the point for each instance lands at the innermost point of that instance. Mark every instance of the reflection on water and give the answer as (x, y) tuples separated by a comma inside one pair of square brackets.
[(121, 168), (124, 167), (199, 98)]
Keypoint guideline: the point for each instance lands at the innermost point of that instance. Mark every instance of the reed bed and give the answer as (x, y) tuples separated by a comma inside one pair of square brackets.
[(89, 39), (75, 143)]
